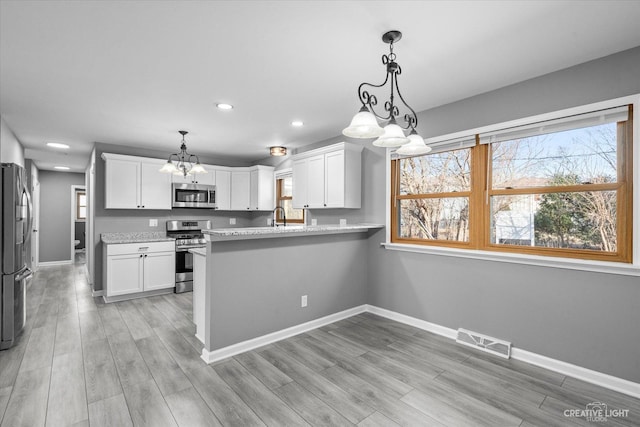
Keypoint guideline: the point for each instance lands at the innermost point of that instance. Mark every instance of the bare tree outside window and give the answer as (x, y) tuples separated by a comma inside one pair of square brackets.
[(561, 193)]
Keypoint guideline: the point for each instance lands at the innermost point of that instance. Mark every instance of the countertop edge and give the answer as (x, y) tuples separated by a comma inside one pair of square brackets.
[(211, 235)]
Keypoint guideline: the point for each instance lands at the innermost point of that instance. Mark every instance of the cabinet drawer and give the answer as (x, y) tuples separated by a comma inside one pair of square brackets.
[(132, 248)]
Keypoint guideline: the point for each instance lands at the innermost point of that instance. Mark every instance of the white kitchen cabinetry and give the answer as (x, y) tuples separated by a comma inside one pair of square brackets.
[(135, 183), (138, 267), (253, 188), (208, 178), (240, 190), (262, 191), (328, 177), (223, 188)]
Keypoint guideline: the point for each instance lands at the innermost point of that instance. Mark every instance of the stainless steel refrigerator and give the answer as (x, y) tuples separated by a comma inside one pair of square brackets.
[(16, 227)]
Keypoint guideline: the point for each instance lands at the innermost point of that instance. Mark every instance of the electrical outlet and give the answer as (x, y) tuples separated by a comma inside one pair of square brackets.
[(153, 223), (343, 222), (314, 221), (303, 301), (232, 221), (269, 222)]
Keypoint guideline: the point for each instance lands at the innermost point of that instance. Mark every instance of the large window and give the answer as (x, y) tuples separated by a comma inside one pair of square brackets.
[(284, 199), (558, 188)]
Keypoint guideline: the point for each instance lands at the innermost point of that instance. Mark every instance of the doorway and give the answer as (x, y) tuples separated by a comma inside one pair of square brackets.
[(78, 223)]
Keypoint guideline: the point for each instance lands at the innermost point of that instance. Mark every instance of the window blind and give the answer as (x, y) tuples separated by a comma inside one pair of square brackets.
[(594, 118), (442, 146)]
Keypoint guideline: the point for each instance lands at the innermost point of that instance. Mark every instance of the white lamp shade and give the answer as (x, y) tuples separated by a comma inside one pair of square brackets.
[(198, 168), (168, 167), (363, 125), (415, 147), (393, 137)]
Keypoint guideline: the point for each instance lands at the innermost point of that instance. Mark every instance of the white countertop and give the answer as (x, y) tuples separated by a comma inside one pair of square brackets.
[(224, 234), (135, 237)]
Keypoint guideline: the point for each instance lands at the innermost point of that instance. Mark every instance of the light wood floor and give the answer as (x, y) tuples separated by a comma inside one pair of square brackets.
[(82, 362)]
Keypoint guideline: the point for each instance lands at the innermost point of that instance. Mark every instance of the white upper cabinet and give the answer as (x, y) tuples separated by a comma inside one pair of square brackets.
[(223, 189), (329, 177), (334, 173), (208, 178), (135, 183), (262, 188), (253, 188), (153, 187), (240, 190)]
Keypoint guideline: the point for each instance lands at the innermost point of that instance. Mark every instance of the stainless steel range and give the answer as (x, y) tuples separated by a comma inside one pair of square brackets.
[(188, 235)]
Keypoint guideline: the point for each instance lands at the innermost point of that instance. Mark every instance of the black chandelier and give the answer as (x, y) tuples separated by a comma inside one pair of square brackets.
[(183, 164), (365, 123)]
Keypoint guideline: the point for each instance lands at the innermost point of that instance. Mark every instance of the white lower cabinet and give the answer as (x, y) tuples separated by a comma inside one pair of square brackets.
[(159, 270), (138, 267)]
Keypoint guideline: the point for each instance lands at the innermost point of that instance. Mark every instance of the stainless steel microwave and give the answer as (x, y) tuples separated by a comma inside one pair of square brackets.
[(193, 196)]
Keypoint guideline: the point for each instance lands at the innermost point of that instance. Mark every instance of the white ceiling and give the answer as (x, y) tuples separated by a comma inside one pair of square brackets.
[(136, 72)]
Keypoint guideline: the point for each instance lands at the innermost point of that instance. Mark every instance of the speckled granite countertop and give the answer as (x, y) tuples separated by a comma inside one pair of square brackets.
[(135, 237), (199, 251), (224, 234)]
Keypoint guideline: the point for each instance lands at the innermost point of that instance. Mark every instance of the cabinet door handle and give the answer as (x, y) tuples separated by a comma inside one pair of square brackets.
[(140, 256), (325, 204)]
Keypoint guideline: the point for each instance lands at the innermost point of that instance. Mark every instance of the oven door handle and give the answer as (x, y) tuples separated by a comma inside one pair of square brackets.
[(182, 249)]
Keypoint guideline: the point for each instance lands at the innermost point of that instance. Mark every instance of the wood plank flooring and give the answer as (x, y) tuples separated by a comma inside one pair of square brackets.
[(81, 362)]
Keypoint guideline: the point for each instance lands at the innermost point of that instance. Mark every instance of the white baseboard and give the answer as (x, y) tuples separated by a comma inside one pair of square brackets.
[(412, 321), (52, 263), (594, 377), (97, 293), (241, 347), (125, 297)]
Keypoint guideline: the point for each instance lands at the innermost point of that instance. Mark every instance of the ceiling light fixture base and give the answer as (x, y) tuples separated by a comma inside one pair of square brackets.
[(391, 36)]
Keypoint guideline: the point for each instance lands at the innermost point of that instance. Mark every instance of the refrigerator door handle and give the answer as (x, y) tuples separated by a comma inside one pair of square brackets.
[(27, 235), (25, 274)]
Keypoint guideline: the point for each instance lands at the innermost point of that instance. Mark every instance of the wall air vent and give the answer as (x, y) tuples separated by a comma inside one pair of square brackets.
[(485, 343)]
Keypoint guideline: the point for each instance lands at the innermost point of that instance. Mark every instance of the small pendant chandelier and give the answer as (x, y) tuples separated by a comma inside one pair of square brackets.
[(365, 123), (182, 163)]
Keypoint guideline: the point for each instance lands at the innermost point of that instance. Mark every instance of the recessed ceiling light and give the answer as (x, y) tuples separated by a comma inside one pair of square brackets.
[(57, 145), (297, 123), (225, 106), (62, 168)]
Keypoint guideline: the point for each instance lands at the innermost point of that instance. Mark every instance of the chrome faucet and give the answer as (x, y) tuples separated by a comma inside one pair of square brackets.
[(284, 217)]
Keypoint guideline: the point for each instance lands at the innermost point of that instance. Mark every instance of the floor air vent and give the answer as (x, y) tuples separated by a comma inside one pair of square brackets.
[(484, 343)]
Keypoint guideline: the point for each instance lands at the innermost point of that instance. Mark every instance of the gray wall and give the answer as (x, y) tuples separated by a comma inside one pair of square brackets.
[(588, 319), (11, 151), (249, 301), (55, 214), (125, 220)]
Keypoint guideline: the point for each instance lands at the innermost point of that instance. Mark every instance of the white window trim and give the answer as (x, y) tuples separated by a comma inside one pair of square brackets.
[(632, 269)]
